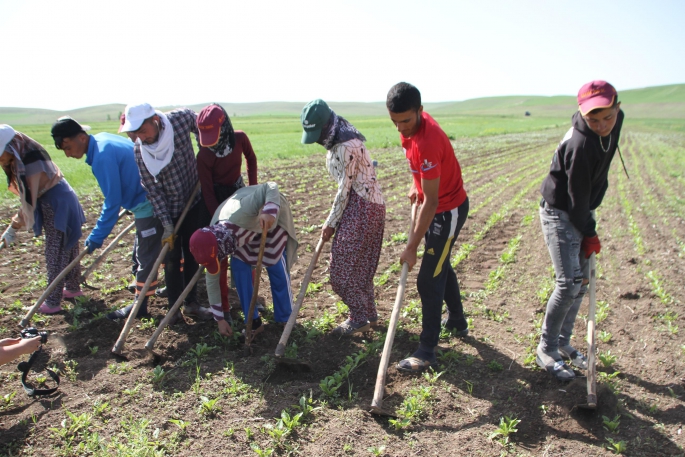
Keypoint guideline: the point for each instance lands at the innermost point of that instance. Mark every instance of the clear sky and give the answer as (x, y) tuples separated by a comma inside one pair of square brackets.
[(69, 54)]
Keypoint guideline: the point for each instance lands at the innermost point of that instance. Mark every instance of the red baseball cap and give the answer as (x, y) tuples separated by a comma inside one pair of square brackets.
[(122, 121), (205, 249), (596, 94), (209, 123)]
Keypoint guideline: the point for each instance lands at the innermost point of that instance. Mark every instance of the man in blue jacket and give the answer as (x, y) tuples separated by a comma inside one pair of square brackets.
[(114, 167)]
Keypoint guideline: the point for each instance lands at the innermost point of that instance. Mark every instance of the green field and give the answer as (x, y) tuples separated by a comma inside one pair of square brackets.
[(199, 392), (277, 138), (274, 127)]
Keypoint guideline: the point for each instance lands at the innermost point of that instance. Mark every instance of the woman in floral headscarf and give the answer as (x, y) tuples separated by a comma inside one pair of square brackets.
[(357, 217), (219, 168), (47, 203)]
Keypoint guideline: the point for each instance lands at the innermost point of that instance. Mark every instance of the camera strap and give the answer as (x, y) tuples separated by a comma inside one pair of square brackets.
[(25, 367)]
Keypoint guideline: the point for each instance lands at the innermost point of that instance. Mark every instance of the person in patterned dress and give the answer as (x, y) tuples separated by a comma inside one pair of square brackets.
[(357, 217), (47, 203)]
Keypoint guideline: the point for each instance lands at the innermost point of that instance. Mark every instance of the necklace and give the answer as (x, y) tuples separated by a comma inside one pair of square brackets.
[(608, 145)]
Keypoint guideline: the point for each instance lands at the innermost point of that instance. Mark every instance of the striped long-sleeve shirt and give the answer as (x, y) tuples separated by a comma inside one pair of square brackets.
[(246, 248)]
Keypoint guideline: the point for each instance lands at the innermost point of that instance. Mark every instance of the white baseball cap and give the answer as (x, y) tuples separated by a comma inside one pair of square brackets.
[(6, 135), (135, 115)]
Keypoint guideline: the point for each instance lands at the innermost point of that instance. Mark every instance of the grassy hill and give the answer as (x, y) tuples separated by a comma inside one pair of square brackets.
[(659, 102)]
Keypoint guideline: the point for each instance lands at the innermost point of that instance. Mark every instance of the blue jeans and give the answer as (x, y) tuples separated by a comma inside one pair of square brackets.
[(570, 268), (279, 277)]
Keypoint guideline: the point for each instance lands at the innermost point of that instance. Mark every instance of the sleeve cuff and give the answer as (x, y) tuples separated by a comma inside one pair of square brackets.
[(271, 209), (217, 312)]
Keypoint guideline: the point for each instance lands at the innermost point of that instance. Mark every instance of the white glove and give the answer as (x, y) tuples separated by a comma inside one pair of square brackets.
[(9, 236), (168, 236)]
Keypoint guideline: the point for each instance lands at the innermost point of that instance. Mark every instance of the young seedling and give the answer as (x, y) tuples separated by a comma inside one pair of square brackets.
[(306, 405), (611, 425), (377, 451), (671, 327), (181, 424), (209, 407), (604, 336), (158, 374), (312, 288), (431, 376), (7, 399), (507, 426), (148, 323), (266, 452), (276, 432), (201, 350), (607, 358), (100, 407), (399, 424), (602, 311), (132, 392), (617, 447), (70, 369), (119, 368), (288, 421), (609, 379), (93, 350), (341, 308)]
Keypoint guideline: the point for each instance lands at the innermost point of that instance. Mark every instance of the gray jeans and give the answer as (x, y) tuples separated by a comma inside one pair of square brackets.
[(570, 268)]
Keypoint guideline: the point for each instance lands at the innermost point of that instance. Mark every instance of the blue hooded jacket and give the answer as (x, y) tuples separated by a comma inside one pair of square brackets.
[(114, 166)]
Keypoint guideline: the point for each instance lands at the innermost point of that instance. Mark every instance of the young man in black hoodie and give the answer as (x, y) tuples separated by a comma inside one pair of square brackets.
[(574, 188)]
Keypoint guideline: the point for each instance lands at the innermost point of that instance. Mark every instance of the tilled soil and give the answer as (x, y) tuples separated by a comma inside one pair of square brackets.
[(485, 376)]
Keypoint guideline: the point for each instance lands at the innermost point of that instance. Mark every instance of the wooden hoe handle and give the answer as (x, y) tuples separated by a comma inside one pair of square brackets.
[(119, 345), (377, 402), (280, 349)]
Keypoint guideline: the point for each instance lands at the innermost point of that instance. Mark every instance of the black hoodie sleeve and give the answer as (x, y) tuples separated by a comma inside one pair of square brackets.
[(580, 166)]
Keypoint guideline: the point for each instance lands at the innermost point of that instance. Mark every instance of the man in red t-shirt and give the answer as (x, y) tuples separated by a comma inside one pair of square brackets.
[(439, 188)]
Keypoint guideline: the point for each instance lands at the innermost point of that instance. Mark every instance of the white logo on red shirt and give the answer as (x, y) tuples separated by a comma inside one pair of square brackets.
[(426, 165)]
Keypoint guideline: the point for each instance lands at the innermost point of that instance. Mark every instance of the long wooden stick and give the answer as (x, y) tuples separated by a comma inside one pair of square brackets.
[(165, 322), (377, 402), (24, 322), (119, 345), (280, 349), (253, 301), (591, 348), (106, 252)]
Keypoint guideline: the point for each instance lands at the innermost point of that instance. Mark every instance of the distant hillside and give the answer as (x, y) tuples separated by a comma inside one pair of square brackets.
[(659, 102)]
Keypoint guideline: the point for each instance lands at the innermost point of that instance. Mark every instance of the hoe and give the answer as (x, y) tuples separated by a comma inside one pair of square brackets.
[(591, 348), (119, 345), (280, 349), (377, 402)]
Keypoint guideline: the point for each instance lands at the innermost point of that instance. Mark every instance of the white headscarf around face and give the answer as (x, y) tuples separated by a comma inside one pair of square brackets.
[(157, 155)]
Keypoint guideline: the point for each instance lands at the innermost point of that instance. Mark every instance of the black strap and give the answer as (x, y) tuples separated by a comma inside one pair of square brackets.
[(25, 367)]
